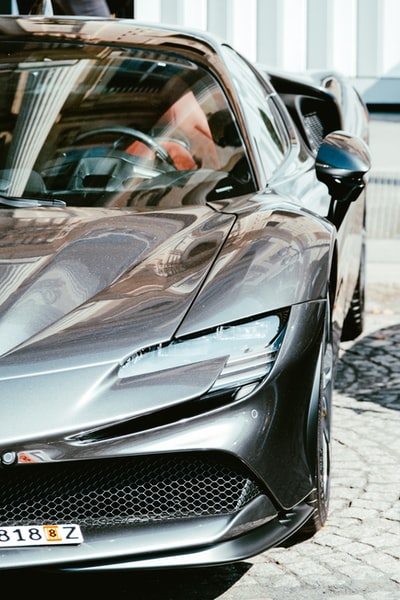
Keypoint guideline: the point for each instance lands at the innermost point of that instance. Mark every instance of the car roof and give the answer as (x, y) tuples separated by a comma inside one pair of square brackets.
[(199, 46), (126, 32)]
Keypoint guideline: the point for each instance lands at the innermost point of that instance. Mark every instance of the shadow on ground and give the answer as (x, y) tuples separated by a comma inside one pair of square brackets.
[(369, 371), (207, 583)]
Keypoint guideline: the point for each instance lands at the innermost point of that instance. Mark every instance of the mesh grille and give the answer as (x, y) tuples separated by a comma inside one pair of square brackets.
[(121, 491)]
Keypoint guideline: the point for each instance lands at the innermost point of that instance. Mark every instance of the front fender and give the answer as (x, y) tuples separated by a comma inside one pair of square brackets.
[(272, 259)]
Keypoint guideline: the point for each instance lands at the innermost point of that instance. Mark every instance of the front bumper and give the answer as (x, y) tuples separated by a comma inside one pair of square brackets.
[(202, 542), (215, 487)]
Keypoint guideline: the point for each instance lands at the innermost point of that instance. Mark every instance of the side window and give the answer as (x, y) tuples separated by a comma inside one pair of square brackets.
[(270, 140)]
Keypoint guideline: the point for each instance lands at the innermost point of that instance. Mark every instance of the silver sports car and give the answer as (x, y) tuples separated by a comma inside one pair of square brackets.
[(181, 252)]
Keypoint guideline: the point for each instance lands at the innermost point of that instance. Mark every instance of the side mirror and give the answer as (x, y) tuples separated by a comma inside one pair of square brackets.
[(342, 162)]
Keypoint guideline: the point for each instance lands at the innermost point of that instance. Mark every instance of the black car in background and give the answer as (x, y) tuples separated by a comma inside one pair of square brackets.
[(182, 242)]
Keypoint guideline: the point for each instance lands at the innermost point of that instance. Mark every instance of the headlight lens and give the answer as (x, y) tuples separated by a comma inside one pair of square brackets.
[(247, 352)]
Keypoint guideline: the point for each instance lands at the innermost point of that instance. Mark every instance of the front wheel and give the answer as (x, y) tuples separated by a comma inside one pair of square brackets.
[(320, 498), (319, 427)]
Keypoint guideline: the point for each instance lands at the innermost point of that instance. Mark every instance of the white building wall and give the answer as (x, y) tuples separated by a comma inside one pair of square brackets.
[(391, 38), (359, 38)]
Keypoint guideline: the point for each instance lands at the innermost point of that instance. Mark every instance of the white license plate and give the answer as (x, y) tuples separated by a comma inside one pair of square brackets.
[(40, 535)]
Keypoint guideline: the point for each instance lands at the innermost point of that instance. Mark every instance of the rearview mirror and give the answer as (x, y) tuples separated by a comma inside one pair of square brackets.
[(342, 162)]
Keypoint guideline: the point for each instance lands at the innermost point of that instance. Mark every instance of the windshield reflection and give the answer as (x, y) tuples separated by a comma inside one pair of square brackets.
[(116, 128)]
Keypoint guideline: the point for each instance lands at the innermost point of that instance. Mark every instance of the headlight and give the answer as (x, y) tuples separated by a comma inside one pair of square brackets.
[(247, 352)]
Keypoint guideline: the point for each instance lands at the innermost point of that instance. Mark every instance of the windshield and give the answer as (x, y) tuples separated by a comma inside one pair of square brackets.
[(98, 126)]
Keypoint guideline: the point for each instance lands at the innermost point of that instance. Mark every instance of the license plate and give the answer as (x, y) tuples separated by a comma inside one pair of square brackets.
[(40, 535)]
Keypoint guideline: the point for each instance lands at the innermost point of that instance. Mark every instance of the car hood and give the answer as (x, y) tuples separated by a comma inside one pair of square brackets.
[(99, 283), (82, 290)]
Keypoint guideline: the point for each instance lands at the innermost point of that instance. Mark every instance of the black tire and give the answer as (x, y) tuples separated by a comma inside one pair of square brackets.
[(319, 434), (354, 322), (320, 497)]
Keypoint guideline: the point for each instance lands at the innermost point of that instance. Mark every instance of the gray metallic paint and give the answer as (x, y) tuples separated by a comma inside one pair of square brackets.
[(99, 316), (114, 306)]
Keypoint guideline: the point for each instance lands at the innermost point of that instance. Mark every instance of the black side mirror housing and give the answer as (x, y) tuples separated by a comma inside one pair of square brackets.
[(342, 162)]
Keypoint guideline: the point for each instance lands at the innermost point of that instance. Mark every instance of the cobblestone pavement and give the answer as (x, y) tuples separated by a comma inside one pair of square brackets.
[(357, 555)]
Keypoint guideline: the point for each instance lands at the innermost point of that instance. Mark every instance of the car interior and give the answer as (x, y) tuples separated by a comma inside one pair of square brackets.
[(111, 127)]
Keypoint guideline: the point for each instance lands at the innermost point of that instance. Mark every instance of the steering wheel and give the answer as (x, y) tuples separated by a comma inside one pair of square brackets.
[(159, 151)]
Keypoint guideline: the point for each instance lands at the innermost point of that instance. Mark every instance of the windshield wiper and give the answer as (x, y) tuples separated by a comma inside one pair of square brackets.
[(29, 202)]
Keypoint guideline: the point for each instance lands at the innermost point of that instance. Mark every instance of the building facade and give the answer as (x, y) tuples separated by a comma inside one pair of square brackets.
[(358, 38)]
